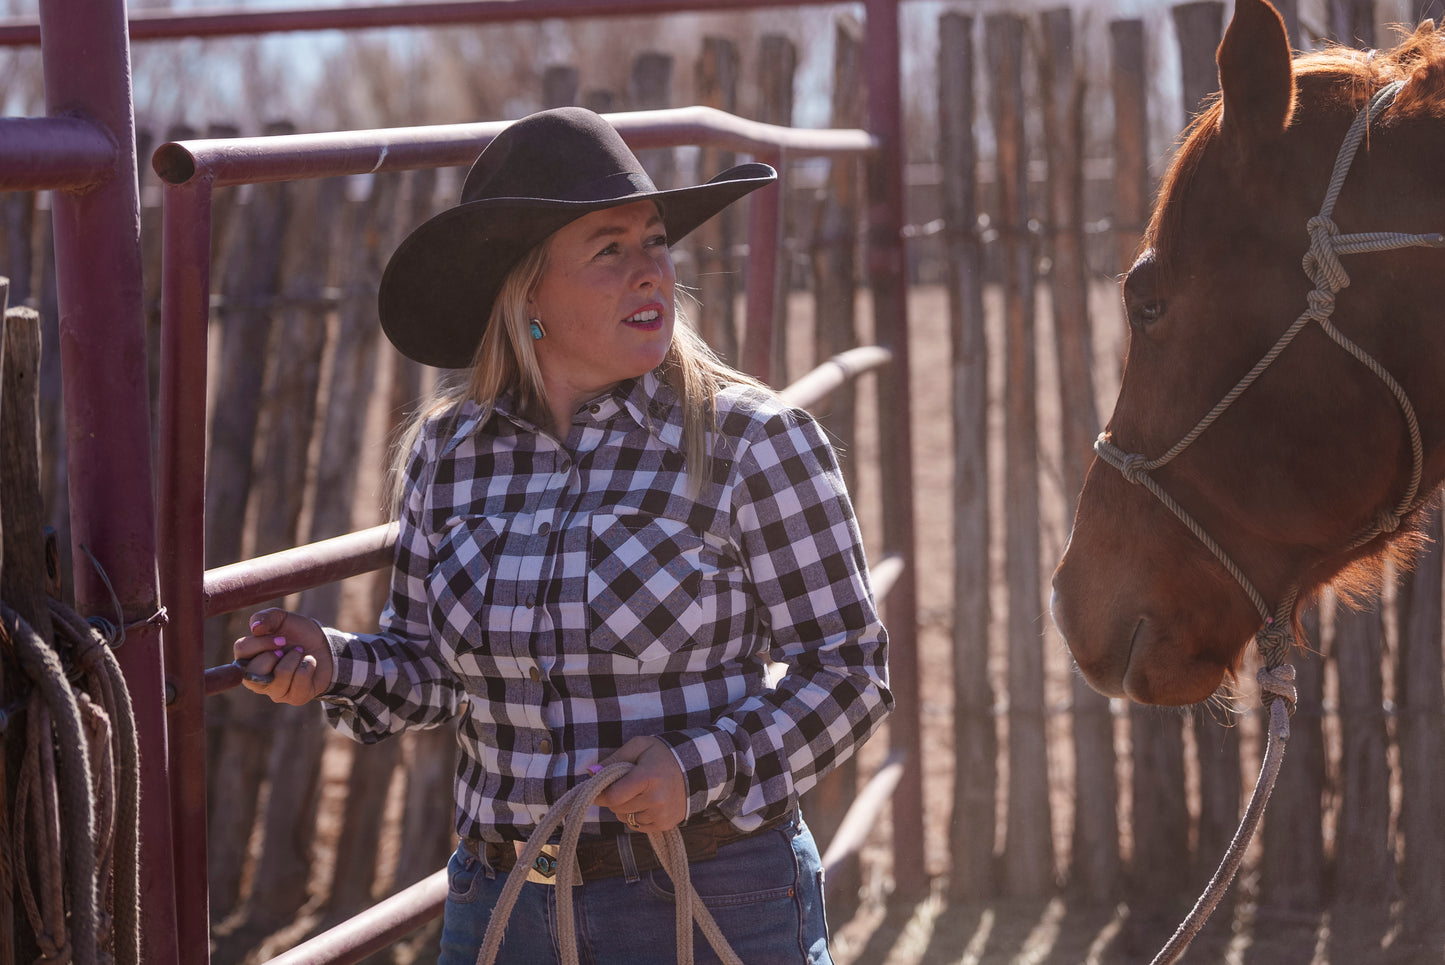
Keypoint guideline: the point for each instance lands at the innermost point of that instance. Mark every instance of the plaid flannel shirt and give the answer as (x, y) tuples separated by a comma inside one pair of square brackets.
[(562, 598)]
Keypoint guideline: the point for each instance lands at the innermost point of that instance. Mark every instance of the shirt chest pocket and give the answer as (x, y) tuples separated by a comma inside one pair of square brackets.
[(460, 582), (654, 586)]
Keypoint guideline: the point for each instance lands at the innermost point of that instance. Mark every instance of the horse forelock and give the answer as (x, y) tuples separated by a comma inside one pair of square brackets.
[(1333, 79)]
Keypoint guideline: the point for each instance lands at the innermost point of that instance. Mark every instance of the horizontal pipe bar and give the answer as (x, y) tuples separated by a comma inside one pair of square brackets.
[(357, 553), (862, 817), (249, 582), (46, 153), (883, 574), (165, 25), (286, 157), (375, 928), (815, 385)]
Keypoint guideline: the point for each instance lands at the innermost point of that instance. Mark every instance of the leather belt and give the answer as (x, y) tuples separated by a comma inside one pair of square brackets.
[(602, 858)]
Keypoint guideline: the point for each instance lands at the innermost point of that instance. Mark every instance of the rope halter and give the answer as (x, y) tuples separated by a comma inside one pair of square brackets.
[(1323, 266)]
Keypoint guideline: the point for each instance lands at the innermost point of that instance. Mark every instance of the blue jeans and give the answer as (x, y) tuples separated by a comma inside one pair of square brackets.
[(765, 892)]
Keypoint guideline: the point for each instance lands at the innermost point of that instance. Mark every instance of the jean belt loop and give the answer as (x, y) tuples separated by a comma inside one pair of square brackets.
[(487, 868), (629, 860)]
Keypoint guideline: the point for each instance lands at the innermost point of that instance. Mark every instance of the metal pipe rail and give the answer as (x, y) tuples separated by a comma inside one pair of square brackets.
[(59, 153), (286, 157), (167, 25)]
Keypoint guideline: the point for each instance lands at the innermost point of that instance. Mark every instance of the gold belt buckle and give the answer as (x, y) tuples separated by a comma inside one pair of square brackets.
[(544, 870)]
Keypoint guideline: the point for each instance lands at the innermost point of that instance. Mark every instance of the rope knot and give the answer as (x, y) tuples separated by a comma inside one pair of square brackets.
[(1322, 261), (1132, 467), (1277, 684)]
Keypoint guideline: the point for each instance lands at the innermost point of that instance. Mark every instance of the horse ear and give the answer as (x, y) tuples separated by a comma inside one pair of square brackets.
[(1255, 76)]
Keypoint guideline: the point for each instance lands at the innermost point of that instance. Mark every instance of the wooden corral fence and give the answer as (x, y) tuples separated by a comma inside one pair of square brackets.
[(1101, 800)]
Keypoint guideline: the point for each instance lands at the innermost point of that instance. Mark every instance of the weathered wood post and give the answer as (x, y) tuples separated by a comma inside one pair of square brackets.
[(649, 88), (715, 80), (1362, 837), (1028, 857), (250, 280), (1420, 703), (835, 243), (1292, 863), (281, 877), (559, 86), (1132, 183), (1352, 22), (1200, 27), (777, 67), (975, 730), (1094, 870)]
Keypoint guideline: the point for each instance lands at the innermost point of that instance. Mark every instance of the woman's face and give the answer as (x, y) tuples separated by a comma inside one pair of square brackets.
[(606, 301)]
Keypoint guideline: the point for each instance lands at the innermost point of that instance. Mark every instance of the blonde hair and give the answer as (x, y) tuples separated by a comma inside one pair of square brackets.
[(506, 361)]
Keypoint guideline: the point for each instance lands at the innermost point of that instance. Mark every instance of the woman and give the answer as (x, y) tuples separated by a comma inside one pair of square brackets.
[(605, 537)]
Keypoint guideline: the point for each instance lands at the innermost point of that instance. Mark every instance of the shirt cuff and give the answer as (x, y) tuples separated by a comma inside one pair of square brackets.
[(708, 762)]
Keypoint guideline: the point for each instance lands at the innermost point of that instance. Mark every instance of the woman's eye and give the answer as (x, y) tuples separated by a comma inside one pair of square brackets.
[(609, 250), (658, 240)]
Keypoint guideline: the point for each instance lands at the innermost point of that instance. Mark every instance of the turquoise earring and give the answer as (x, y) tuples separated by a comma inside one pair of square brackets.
[(535, 326)]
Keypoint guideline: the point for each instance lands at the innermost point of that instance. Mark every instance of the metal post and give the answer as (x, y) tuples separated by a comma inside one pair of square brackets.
[(185, 311), (887, 274), (86, 53)]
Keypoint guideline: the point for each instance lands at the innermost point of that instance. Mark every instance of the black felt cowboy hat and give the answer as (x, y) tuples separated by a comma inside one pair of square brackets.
[(537, 175)]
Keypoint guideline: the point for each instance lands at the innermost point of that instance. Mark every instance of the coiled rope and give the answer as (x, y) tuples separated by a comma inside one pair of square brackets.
[(571, 808), (77, 795)]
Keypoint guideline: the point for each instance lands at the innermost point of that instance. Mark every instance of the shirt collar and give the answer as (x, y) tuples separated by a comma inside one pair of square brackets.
[(648, 400)]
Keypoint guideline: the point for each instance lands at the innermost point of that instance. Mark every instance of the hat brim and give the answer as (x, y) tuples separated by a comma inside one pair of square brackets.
[(437, 291)]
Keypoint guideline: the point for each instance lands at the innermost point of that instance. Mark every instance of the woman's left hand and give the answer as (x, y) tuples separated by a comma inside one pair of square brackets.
[(652, 796)]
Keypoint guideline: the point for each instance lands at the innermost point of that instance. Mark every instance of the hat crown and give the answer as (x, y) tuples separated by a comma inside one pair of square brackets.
[(566, 154)]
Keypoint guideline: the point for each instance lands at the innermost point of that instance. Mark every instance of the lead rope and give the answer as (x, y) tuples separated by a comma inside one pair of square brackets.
[(667, 845), (1275, 639)]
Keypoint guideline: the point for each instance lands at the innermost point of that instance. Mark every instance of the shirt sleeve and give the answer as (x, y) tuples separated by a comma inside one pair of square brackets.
[(388, 681), (798, 534)]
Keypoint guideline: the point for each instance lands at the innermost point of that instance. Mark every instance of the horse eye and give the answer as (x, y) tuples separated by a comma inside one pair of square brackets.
[(1141, 293)]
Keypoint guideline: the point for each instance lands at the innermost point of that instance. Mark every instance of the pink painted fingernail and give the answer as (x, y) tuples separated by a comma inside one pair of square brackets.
[(280, 653), (280, 641), (595, 769), (298, 650)]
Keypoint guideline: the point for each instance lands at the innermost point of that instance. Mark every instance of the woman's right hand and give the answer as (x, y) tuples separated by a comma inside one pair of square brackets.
[(292, 649)]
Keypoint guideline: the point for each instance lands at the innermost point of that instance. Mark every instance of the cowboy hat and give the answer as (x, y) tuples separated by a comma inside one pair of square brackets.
[(538, 174)]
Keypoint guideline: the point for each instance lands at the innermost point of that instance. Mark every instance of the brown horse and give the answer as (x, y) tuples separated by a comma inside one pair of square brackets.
[(1261, 447)]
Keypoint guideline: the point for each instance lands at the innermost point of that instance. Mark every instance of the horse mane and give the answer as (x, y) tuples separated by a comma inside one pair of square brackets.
[(1333, 78)]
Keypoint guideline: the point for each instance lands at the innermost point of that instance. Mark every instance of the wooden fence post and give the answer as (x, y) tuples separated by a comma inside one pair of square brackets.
[(559, 86), (22, 560), (1132, 184), (777, 66), (1200, 27), (715, 80), (281, 876), (1362, 838), (835, 242), (1028, 856), (250, 279), (1352, 22), (1292, 865), (1094, 869), (649, 89), (427, 820), (1420, 704), (975, 730), (288, 416)]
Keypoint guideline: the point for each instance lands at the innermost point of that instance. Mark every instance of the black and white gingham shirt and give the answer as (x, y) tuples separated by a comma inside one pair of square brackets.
[(563, 598)]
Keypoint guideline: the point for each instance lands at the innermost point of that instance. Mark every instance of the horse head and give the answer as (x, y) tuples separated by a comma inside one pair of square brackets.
[(1253, 458)]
